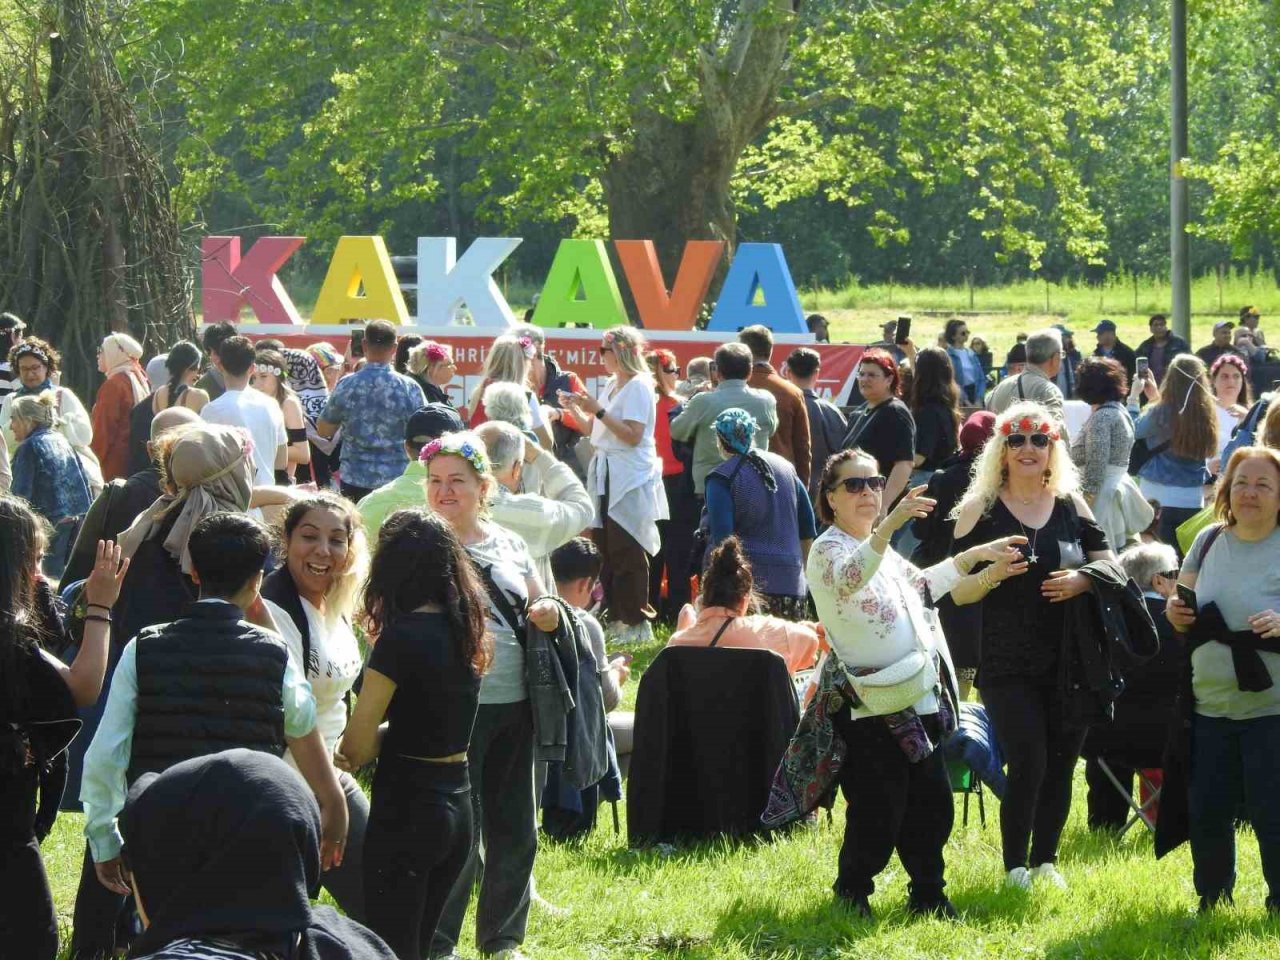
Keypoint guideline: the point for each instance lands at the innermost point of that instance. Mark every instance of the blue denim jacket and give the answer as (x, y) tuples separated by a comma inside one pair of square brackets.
[(1155, 428), (47, 474), (970, 377)]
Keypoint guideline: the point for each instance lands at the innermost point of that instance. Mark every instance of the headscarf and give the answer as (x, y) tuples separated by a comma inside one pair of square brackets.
[(977, 430), (736, 429), (123, 354), (227, 846), (326, 354), (307, 382), (212, 467)]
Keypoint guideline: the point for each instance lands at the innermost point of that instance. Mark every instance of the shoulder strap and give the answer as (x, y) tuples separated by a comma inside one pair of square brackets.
[(500, 600), (1214, 532), (723, 627), (175, 395), (1021, 395)]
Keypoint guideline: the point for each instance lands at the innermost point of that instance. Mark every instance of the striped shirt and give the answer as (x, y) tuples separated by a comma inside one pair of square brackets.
[(206, 950)]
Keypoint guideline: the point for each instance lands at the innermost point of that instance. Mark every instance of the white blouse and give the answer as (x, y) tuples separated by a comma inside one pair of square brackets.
[(335, 664), (862, 599)]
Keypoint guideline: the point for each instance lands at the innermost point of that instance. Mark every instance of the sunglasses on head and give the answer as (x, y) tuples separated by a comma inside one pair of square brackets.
[(858, 484), (1017, 440)]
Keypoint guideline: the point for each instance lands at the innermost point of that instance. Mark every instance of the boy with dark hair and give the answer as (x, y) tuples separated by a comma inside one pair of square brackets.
[(576, 566), (827, 425), (252, 410), (791, 439), (212, 382), (208, 682)]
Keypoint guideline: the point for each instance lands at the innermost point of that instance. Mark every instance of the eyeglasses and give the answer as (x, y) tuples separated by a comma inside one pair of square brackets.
[(606, 349), (858, 484), (674, 371), (1018, 440), (1170, 574)]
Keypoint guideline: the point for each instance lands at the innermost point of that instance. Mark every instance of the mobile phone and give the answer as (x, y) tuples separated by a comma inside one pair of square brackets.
[(357, 343), (1143, 365), (624, 657), (1187, 596), (903, 331)]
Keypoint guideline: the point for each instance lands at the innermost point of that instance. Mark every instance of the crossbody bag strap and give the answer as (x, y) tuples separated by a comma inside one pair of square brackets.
[(723, 627)]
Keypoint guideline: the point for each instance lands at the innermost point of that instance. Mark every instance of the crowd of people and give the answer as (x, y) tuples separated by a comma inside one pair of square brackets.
[(238, 540)]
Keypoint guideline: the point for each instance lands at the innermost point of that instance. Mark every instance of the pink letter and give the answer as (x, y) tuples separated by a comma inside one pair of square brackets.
[(228, 283)]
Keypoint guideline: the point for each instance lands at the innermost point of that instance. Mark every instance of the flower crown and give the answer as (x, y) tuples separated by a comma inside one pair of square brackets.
[(528, 347), (268, 368), (29, 349), (436, 352), (1234, 359), (454, 446), (614, 337), (1027, 425)]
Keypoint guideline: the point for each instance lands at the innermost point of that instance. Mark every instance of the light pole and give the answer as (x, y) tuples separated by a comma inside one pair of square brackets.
[(1179, 248)]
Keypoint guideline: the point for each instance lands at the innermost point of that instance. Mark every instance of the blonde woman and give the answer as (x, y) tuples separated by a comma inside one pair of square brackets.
[(625, 473), (1180, 430), (432, 363), (509, 360), (1024, 484), (125, 387), (270, 376)]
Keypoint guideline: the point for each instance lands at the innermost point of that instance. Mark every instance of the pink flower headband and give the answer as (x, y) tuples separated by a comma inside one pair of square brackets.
[(456, 445), (528, 347), (436, 352), (1234, 359), (1027, 425)]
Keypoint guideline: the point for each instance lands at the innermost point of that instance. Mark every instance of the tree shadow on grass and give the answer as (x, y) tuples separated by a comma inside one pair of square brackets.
[(1166, 931), (621, 859)]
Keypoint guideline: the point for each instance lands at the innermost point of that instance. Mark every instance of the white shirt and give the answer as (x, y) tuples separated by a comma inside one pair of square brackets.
[(862, 599), (261, 416), (332, 670)]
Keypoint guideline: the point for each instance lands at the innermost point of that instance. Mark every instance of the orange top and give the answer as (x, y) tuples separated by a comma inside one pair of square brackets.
[(797, 643)]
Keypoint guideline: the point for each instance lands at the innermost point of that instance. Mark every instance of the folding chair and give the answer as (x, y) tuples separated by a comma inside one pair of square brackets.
[(1143, 808), (965, 781)]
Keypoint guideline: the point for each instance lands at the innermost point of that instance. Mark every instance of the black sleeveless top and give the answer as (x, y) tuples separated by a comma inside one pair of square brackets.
[(1021, 630)]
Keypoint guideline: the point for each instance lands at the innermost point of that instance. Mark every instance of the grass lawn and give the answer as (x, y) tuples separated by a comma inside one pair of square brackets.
[(772, 899)]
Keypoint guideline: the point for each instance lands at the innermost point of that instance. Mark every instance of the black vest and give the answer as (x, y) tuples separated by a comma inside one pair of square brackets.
[(206, 683)]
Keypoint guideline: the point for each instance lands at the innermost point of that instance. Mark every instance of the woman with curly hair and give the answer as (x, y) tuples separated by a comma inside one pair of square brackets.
[(425, 610), (1024, 484), (1232, 397), (1180, 430), (625, 474), (35, 365)]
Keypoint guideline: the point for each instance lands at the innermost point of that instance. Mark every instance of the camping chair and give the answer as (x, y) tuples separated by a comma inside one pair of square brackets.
[(1145, 806), (965, 781), (973, 755)]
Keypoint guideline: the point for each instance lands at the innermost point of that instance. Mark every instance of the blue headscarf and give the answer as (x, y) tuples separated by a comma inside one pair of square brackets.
[(736, 429)]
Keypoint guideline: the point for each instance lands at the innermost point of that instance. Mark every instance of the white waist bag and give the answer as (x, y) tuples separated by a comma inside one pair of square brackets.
[(904, 682)]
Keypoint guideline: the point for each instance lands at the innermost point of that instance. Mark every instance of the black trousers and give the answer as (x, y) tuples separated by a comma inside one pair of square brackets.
[(501, 766), (677, 546), (1041, 752), (353, 493), (893, 804), (417, 843), (28, 924)]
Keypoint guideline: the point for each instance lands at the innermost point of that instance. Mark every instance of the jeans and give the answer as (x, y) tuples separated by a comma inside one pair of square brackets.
[(346, 883), (501, 766), (677, 546), (892, 804), (420, 834), (1041, 751), (1234, 762), (60, 544), (28, 924)]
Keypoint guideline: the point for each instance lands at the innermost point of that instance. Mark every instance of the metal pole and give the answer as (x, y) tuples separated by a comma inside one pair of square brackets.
[(1179, 248)]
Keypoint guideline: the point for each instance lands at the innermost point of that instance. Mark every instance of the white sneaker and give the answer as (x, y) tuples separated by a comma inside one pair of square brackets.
[(1019, 878), (1049, 873)]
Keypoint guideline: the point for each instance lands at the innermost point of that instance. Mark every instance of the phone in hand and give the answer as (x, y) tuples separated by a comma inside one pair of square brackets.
[(1187, 596), (624, 657), (357, 343), (1143, 368), (902, 332)]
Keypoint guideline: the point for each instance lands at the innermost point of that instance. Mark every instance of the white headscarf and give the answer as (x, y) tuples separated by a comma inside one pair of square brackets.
[(123, 354)]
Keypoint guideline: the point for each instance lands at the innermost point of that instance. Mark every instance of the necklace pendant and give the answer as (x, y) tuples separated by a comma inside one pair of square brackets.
[(1032, 558)]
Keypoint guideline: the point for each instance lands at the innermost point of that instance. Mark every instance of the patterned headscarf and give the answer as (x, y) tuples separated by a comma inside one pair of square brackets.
[(736, 429)]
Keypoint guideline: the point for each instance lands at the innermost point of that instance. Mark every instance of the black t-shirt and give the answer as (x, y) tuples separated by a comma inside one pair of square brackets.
[(433, 709), (935, 434), (886, 431), (1021, 630)]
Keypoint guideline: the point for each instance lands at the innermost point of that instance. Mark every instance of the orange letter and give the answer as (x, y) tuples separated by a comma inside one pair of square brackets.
[(677, 310)]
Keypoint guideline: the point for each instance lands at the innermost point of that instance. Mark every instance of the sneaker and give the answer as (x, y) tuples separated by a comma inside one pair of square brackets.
[(546, 906), (938, 906), (1018, 877), (510, 953), (1049, 873)]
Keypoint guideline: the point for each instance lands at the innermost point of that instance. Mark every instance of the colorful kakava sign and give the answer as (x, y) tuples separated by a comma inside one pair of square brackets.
[(581, 287)]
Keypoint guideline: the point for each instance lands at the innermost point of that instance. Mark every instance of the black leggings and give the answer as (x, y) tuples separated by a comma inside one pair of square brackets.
[(417, 842), (28, 925), (1041, 752)]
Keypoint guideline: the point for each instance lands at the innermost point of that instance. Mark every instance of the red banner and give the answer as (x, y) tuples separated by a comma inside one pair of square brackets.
[(577, 350)]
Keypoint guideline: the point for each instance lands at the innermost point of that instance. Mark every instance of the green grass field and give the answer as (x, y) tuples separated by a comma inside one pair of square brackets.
[(771, 899)]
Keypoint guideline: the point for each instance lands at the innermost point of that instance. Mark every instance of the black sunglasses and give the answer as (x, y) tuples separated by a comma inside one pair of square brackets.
[(606, 349), (674, 371), (858, 484), (1018, 440)]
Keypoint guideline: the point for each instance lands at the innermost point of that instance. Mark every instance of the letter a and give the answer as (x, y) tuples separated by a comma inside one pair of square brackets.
[(229, 283), (758, 267), (580, 265), (357, 262), (446, 283)]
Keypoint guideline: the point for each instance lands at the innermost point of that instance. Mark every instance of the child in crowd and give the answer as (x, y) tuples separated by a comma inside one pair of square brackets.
[(576, 567)]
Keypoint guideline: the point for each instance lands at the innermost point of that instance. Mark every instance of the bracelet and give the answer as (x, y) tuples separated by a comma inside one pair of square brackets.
[(100, 606), (877, 535), (987, 580), (98, 618)]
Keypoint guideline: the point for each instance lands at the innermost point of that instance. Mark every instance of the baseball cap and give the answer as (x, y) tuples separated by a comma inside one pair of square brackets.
[(1105, 326), (432, 421), (1249, 312), (1063, 329), (1223, 325)]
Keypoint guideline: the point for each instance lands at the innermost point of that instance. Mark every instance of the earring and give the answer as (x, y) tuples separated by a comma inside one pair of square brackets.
[(1048, 475), (1004, 474)]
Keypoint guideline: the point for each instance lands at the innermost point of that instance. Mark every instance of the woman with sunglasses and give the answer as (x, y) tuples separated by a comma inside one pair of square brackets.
[(1025, 484), (872, 604), (677, 533)]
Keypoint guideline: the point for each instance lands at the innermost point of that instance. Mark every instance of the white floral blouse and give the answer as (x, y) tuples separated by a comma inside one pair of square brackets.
[(862, 599)]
